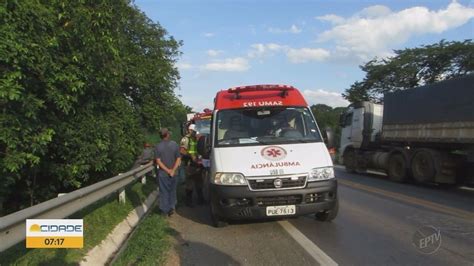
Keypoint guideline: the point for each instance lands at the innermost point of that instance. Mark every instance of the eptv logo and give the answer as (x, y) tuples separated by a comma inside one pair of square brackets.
[(427, 239), (54, 233)]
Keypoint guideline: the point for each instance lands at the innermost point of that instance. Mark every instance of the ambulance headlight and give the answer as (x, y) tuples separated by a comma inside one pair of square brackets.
[(230, 179), (321, 173)]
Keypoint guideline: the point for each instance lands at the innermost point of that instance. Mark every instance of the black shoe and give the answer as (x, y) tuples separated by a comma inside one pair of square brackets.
[(162, 213), (171, 212)]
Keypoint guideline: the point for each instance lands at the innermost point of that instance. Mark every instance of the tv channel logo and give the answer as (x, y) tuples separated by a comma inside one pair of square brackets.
[(54, 233)]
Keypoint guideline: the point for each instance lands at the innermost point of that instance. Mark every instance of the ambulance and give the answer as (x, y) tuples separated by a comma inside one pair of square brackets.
[(267, 157), (201, 120)]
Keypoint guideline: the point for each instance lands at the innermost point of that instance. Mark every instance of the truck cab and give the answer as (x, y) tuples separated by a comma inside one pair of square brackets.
[(267, 157), (361, 125)]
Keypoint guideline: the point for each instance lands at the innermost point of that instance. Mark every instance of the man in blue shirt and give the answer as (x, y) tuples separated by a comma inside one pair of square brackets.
[(168, 159)]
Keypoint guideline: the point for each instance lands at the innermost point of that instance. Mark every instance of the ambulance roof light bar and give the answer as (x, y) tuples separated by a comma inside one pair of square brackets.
[(205, 114), (283, 88)]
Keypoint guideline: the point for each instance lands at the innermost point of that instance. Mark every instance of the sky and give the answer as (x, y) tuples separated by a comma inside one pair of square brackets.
[(315, 45)]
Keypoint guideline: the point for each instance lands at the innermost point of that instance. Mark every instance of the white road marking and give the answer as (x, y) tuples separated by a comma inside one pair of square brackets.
[(467, 188), (307, 244)]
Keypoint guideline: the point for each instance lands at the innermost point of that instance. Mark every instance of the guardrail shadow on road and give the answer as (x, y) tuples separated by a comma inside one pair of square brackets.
[(198, 253), (198, 214)]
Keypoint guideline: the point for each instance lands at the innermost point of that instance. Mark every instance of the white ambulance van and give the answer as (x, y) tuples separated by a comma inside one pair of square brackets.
[(267, 156)]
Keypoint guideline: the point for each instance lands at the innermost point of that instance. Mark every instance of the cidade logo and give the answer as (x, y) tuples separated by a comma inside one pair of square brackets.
[(54, 233), (273, 153), (60, 228)]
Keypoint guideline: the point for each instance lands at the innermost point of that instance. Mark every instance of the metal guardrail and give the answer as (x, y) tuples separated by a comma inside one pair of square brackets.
[(12, 226)]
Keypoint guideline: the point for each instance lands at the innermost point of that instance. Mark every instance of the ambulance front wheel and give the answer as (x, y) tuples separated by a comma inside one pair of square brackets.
[(215, 219), (328, 215), (206, 185)]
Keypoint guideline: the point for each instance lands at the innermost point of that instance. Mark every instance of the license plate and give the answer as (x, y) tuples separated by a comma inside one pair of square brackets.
[(281, 210)]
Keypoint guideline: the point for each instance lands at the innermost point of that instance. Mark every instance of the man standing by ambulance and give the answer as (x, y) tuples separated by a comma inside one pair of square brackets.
[(168, 159), (188, 149)]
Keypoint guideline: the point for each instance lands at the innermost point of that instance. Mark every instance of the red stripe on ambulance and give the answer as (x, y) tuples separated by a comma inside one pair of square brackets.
[(259, 96)]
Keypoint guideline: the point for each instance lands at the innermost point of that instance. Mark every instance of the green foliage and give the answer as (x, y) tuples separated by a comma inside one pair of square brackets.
[(411, 68), (80, 81), (328, 117)]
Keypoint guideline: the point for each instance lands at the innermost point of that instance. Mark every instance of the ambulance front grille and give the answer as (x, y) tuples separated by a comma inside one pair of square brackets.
[(277, 182)]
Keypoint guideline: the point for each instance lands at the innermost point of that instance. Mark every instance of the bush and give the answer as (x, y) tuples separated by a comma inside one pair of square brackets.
[(80, 81)]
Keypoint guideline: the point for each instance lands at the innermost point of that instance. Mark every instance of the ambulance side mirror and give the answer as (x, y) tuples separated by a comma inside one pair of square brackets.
[(329, 139), (203, 147)]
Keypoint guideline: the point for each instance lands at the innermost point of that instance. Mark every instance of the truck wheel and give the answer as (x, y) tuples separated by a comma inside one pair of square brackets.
[(328, 215), (216, 221), (350, 161), (423, 167), (397, 168)]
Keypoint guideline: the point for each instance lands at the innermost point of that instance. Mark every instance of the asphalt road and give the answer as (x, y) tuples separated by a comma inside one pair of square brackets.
[(379, 223)]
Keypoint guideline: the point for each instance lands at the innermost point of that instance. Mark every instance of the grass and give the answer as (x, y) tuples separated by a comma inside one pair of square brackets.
[(99, 220), (149, 243), (154, 138)]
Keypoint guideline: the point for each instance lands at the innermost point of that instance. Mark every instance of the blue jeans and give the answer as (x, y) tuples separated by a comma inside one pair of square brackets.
[(167, 188)]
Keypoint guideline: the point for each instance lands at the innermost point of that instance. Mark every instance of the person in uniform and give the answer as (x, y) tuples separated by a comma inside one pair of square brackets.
[(188, 149)]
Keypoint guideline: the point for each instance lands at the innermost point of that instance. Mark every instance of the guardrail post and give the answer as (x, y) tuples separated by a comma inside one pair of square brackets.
[(122, 196)]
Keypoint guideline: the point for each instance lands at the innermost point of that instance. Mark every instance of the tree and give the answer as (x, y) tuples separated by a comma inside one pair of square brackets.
[(328, 117), (413, 67), (79, 82)]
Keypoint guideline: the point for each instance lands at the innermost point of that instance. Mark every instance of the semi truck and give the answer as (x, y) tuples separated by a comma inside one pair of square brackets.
[(267, 157), (425, 134)]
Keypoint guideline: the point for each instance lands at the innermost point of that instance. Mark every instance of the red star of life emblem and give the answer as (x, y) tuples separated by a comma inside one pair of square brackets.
[(273, 152)]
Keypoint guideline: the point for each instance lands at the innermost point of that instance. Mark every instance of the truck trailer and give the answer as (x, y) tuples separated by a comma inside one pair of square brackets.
[(425, 133)]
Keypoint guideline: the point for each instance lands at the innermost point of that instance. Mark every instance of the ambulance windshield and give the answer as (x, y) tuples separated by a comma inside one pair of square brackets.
[(269, 125)]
